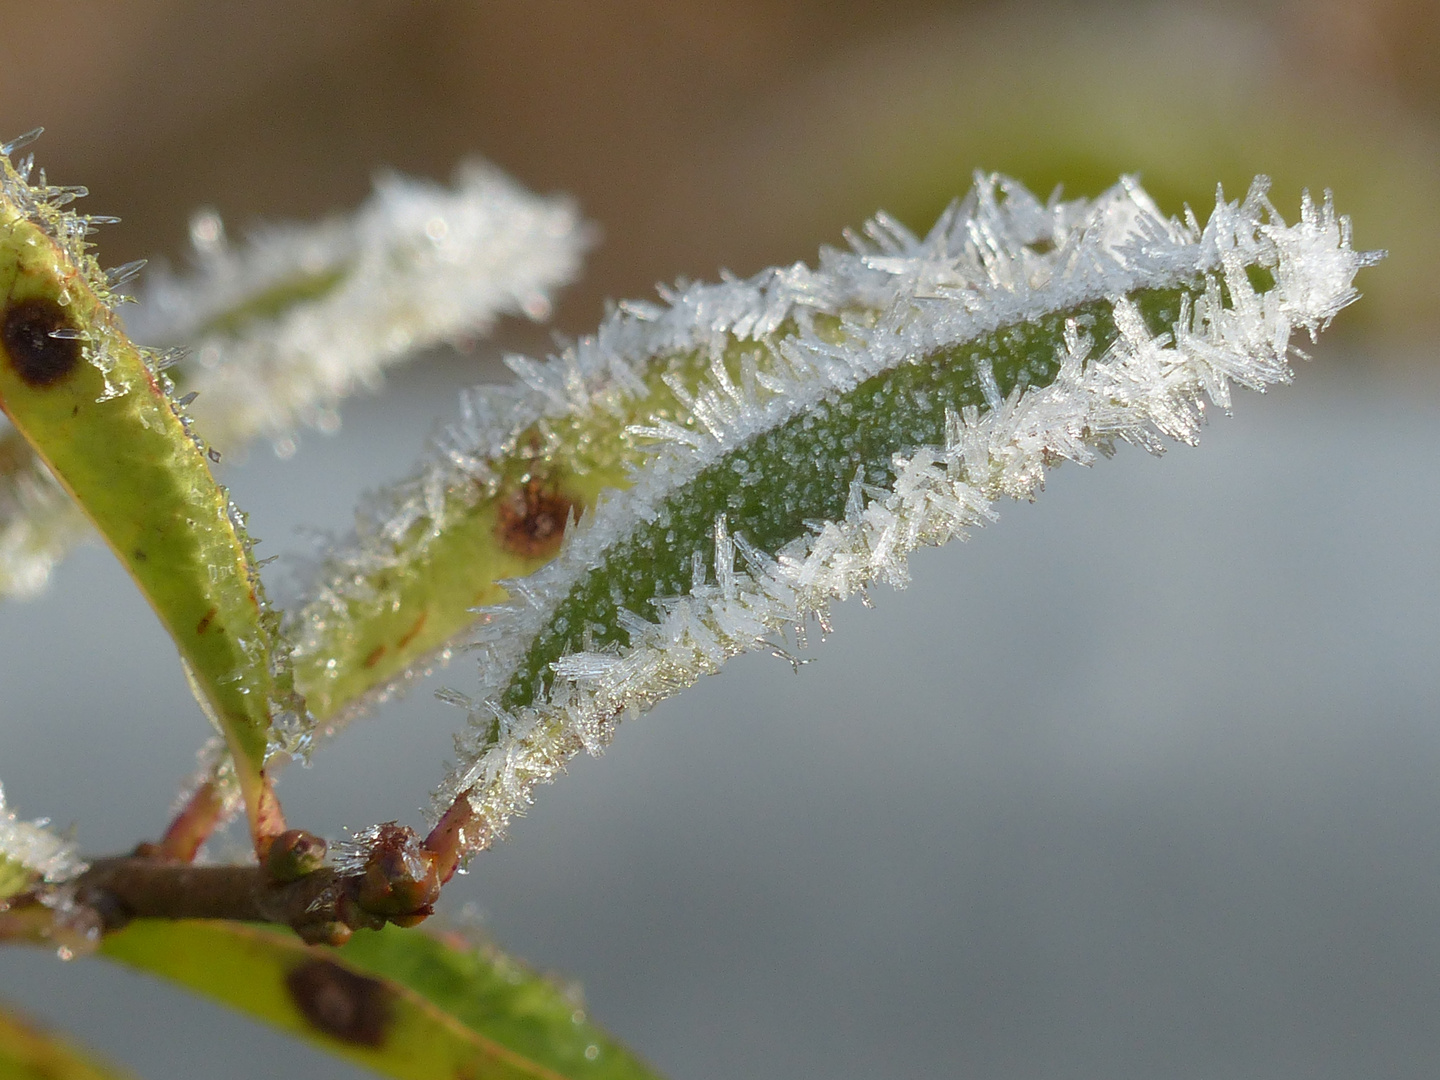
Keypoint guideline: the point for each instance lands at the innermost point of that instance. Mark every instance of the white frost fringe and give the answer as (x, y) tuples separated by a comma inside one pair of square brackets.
[(976, 271), (419, 265), (35, 847)]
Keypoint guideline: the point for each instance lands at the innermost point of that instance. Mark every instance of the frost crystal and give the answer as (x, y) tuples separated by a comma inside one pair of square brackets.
[(1056, 330), (29, 851), (283, 327), (38, 519)]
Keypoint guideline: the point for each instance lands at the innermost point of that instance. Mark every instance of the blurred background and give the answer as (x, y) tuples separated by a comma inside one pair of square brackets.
[(1140, 782)]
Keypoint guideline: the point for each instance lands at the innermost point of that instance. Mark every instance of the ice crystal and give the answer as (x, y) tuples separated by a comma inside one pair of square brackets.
[(947, 372), (282, 327), (30, 852), (46, 205)]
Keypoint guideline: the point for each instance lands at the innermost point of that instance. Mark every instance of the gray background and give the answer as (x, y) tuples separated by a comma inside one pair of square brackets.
[(1139, 782)]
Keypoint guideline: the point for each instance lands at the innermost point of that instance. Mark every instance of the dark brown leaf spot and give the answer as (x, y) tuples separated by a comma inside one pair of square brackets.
[(39, 359), (206, 620), (352, 1008), (374, 656), (532, 521)]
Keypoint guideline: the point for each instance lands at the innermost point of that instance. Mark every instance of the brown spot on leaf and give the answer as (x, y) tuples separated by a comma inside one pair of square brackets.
[(38, 358), (374, 657), (206, 620), (414, 631), (532, 520), (340, 1003)]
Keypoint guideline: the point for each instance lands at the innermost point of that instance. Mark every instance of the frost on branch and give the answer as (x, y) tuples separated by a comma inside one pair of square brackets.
[(822, 424), (29, 852), (281, 328)]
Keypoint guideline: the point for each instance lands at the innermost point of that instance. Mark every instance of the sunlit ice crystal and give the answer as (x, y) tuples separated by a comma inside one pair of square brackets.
[(1015, 335)]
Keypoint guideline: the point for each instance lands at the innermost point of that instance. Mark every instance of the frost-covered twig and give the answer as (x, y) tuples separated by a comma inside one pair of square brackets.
[(702, 476), (825, 423)]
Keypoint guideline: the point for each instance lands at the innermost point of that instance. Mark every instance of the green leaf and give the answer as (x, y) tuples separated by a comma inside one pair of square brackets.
[(919, 381), (27, 1052), (101, 416), (405, 1003)]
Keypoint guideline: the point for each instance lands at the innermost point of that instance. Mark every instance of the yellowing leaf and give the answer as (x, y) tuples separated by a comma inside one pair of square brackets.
[(402, 1002)]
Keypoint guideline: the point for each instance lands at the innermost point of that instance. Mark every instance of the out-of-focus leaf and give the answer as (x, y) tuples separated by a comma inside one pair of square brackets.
[(28, 1052), (402, 1002)]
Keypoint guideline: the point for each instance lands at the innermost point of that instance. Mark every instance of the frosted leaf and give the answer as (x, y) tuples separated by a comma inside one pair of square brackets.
[(38, 522), (279, 329), (30, 852), (892, 396), (273, 333)]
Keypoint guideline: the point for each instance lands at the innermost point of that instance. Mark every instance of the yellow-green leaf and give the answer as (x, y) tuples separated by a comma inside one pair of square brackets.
[(402, 1002), (101, 416)]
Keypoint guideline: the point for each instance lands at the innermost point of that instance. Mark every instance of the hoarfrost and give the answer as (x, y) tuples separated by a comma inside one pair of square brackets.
[(283, 327), (998, 259), (35, 849)]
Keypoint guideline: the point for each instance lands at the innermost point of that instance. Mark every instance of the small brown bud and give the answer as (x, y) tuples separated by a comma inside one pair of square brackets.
[(293, 854), (401, 878)]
